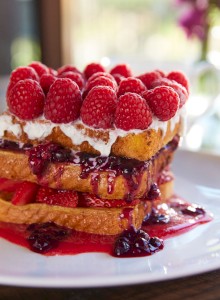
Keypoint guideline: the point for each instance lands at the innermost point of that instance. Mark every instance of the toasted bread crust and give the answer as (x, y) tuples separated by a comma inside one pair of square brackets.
[(141, 146)]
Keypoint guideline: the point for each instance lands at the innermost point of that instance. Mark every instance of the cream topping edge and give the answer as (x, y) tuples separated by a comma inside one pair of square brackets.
[(40, 130)]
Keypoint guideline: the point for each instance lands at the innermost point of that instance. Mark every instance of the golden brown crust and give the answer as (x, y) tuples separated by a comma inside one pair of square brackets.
[(107, 221), (14, 165), (141, 146)]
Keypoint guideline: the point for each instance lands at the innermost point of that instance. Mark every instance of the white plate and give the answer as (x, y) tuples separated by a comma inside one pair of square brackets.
[(191, 253)]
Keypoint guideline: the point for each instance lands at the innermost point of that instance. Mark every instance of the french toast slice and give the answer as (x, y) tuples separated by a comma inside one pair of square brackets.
[(107, 221), (112, 178)]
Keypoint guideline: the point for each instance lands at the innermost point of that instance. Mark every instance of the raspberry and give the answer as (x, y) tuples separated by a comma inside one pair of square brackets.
[(149, 78), (162, 74), (118, 78), (132, 112), (26, 99), (21, 73), (52, 72), (46, 81), (74, 76), (98, 74), (57, 197), (122, 69), (39, 68), (99, 81), (92, 69), (63, 101), (180, 78), (90, 200), (181, 91), (25, 193), (131, 84), (163, 101), (67, 68), (99, 107)]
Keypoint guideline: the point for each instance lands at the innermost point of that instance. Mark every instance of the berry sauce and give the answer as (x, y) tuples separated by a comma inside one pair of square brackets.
[(166, 220)]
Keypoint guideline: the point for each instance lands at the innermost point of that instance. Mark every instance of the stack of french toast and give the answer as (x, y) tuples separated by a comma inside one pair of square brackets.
[(88, 150)]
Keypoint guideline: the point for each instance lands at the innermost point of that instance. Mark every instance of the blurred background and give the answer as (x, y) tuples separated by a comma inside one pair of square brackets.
[(147, 34)]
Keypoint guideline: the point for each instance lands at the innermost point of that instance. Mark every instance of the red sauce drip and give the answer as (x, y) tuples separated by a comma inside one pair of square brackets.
[(181, 220)]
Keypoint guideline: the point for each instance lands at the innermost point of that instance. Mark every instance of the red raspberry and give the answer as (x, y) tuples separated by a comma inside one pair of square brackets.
[(26, 99), (118, 78), (74, 76), (21, 73), (39, 68), (67, 68), (132, 112), (90, 200), (99, 81), (52, 71), (180, 78), (122, 69), (46, 81), (163, 101), (149, 78), (162, 74), (131, 84), (92, 69), (181, 91), (99, 107), (63, 101), (57, 197), (98, 74)]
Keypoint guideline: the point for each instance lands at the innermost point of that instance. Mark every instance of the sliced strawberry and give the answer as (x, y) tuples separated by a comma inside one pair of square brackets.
[(8, 185), (90, 200), (25, 193), (57, 197)]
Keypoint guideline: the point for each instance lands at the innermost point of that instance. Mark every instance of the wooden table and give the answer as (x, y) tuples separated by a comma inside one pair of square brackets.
[(205, 286)]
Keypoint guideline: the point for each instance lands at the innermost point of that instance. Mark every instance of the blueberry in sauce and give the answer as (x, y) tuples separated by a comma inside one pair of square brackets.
[(156, 218), (46, 236), (193, 210), (154, 192), (133, 243)]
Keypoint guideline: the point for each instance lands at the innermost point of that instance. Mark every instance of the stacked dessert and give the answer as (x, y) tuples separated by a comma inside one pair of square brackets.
[(88, 150)]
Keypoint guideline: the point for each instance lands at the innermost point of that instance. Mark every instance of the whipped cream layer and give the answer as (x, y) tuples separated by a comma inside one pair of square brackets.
[(77, 131)]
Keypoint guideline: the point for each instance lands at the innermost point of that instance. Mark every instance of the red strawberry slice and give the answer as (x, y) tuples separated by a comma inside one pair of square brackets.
[(90, 200), (57, 197), (25, 193), (8, 185)]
